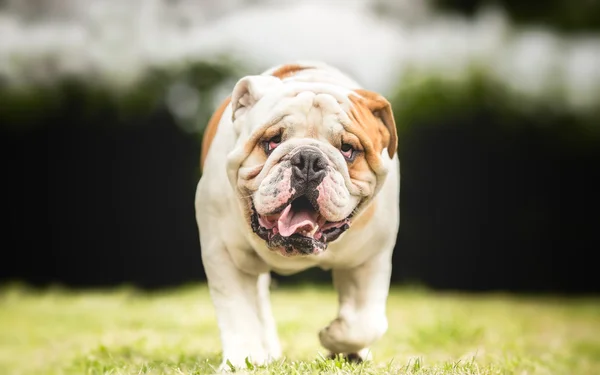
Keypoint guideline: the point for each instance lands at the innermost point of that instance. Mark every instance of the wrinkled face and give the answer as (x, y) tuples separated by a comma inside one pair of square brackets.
[(308, 159)]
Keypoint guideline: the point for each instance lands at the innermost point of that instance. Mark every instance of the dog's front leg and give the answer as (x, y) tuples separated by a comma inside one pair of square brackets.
[(361, 319), (239, 299), (270, 336)]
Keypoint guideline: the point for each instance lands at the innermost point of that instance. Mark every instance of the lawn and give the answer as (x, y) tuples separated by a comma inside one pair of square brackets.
[(125, 331)]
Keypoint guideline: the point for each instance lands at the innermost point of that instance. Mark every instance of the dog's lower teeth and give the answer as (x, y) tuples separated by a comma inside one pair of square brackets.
[(310, 233)]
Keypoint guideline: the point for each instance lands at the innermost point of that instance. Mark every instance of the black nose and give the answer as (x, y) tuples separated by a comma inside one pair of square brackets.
[(308, 166)]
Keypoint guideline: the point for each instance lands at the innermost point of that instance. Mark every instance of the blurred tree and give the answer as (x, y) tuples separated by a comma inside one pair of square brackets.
[(570, 16)]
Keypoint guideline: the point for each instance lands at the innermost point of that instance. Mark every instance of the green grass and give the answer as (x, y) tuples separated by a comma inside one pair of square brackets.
[(125, 331)]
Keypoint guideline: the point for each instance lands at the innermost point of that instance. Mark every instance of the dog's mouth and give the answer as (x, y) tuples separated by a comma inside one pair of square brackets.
[(297, 228)]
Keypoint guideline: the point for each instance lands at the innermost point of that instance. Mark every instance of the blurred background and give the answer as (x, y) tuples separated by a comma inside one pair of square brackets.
[(103, 104)]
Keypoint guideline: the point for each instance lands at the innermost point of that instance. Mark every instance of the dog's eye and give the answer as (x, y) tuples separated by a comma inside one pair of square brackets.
[(347, 151), (272, 143)]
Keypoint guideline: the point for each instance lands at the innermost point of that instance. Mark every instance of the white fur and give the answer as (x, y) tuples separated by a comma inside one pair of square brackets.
[(238, 263)]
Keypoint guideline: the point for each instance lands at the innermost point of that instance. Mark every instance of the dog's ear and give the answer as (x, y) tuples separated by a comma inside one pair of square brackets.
[(248, 91), (381, 108)]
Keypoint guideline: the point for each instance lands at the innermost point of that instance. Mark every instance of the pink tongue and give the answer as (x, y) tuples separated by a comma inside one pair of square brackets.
[(294, 222)]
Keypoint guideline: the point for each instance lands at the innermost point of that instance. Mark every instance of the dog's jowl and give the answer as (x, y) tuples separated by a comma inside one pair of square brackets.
[(299, 170)]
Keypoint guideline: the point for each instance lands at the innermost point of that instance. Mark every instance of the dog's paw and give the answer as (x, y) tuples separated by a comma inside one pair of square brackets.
[(343, 337)]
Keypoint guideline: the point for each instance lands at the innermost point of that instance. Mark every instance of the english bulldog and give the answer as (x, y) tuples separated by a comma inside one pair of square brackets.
[(299, 170)]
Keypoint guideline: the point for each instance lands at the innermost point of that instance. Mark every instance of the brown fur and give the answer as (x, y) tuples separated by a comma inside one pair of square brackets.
[(288, 70), (370, 110), (211, 129), (373, 124)]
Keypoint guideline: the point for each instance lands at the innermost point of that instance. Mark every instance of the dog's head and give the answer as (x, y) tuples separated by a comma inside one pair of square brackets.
[(309, 158)]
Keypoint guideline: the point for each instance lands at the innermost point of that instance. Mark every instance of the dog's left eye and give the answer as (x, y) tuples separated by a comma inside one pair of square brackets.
[(272, 143), (347, 151)]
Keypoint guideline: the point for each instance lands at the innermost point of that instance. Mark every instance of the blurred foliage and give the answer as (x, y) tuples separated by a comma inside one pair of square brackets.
[(429, 99), (78, 98), (570, 16), (420, 98)]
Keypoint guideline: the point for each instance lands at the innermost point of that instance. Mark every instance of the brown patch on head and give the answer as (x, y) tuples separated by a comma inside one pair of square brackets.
[(254, 148), (288, 70), (364, 218), (372, 118), (211, 130)]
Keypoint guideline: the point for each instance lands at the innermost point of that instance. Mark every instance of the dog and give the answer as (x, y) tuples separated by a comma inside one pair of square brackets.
[(299, 170)]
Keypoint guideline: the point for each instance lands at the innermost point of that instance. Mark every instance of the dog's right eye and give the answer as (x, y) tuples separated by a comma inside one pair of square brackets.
[(272, 143), (348, 151)]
